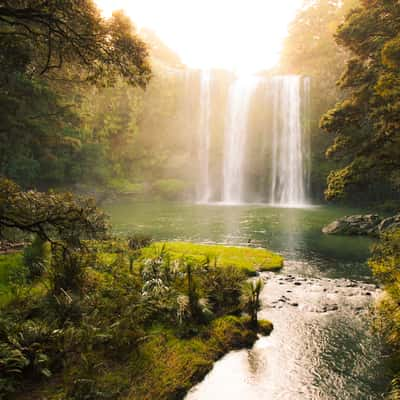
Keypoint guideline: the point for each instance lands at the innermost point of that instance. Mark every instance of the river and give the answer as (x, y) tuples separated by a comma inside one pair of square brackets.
[(323, 346)]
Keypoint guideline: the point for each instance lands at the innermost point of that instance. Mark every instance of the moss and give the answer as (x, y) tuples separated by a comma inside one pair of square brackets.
[(265, 327), (170, 366), (248, 259)]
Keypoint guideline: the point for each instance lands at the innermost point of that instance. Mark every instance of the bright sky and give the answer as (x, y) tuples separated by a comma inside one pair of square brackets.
[(240, 35)]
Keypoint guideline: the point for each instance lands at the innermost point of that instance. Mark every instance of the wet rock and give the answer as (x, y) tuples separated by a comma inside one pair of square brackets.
[(355, 225), (389, 224), (330, 307)]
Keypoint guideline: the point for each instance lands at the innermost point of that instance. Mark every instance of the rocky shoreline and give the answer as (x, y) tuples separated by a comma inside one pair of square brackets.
[(362, 225)]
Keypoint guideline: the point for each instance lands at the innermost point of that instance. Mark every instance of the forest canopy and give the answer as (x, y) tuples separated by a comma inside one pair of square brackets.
[(53, 53), (366, 122)]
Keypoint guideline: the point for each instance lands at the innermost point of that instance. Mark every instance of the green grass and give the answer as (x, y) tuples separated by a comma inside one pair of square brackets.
[(248, 259)]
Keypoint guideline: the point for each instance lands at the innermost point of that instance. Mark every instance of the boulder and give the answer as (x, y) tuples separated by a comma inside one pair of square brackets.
[(354, 225), (389, 224)]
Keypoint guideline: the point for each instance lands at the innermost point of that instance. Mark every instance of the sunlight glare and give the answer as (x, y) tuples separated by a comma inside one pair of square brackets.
[(243, 36)]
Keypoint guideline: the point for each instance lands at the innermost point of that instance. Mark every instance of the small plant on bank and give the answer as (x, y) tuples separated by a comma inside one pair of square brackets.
[(251, 300), (37, 257)]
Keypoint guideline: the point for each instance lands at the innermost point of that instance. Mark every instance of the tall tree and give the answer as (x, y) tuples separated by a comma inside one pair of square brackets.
[(53, 33), (366, 124), (310, 49), (49, 52)]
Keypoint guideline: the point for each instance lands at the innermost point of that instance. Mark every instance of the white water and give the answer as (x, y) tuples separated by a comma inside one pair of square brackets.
[(204, 182), (261, 126), (235, 138), (290, 145)]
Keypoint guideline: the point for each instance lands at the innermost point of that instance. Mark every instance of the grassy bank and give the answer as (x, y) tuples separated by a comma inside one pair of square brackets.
[(150, 330), (247, 259)]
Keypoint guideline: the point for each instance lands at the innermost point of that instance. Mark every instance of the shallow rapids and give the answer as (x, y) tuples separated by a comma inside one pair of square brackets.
[(322, 347)]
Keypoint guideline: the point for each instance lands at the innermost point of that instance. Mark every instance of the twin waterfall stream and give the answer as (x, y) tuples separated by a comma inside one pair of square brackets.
[(265, 121)]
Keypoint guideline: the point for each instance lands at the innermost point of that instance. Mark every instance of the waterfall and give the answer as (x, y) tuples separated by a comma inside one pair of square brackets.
[(290, 143), (249, 137), (235, 137), (204, 138)]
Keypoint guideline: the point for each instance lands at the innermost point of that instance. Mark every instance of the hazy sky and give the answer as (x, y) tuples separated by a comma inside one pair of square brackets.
[(241, 35)]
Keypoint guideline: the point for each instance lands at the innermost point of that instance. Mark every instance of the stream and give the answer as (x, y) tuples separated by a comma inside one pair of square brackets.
[(323, 346)]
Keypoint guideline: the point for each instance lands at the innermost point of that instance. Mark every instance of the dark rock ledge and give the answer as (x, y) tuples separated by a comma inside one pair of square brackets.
[(362, 225)]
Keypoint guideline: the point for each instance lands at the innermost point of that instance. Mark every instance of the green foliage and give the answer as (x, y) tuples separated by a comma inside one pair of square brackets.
[(123, 186), (167, 318), (172, 366), (251, 299), (310, 49), (385, 263), (48, 36), (170, 189), (63, 220), (265, 327), (367, 121), (37, 257), (13, 275), (52, 54), (24, 349)]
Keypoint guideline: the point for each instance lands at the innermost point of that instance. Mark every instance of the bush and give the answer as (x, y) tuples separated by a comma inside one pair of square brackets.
[(385, 263), (23, 352), (170, 189), (137, 242), (37, 257), (124, 186)]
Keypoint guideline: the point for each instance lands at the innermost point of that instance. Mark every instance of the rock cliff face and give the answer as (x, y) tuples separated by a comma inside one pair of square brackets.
[(369, 224)]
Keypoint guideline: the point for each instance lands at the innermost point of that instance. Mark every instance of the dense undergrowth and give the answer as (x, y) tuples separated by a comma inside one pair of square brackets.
[(144, 324), (385, 264)]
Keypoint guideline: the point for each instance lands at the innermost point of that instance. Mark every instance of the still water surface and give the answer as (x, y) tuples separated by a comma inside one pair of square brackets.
[(322, 346)]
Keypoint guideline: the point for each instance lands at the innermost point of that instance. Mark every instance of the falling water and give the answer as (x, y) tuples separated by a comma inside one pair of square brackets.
[(290, 146), (204, 131), (235, 138)]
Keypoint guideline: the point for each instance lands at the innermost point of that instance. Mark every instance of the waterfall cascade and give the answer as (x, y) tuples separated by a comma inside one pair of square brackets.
[(290, 149), (235, 138), (204, 138), (279, 137)]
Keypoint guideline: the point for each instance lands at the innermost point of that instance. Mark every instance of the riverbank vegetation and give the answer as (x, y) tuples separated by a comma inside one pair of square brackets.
[(85, 315), (385, 266)]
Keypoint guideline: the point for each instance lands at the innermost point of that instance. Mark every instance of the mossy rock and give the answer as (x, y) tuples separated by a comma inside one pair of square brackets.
[(265, 327)]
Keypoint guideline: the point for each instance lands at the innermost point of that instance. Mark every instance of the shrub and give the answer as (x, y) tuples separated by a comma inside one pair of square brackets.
[(137, 241), (37, 257), (170, 189), (124, 186)]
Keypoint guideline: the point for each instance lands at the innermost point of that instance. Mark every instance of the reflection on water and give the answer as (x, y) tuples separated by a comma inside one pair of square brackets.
[(295, 233), (322, 346)]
